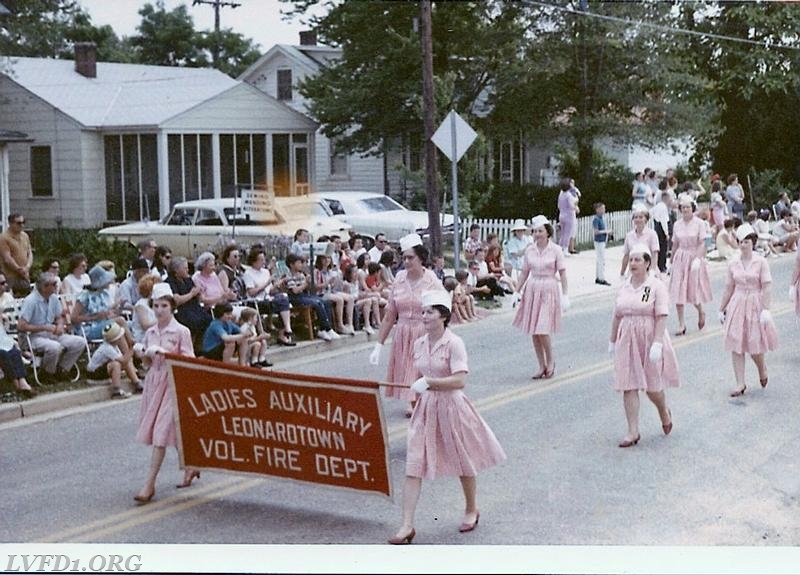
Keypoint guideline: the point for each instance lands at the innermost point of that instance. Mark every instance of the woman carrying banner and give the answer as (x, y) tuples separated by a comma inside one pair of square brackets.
[(156, 413), (446, 434), (404, 314), (744, 310), (644, 359), (543, 299)]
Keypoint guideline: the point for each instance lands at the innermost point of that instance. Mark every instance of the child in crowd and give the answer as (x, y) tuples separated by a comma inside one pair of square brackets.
[(297, 289), (600, 238), (342, 306), (438, 267), (256, 343), (108, 362), (369, 306), (223, 336), (373, 281), (463, 305)]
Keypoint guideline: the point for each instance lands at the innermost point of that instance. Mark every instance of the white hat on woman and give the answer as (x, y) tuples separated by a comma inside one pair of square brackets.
[(639, 249), (519, 225), (409, 241), (744, 230), (161, 290), (437, 297), (538, 222)]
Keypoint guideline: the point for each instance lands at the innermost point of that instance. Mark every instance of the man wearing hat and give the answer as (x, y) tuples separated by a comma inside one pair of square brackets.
[(42, 316), (515, 246), (108, 361)]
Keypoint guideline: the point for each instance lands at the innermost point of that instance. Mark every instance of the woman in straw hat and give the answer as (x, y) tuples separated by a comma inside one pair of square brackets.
[(446, 436), (515, 247), (543, 300), (404, 314), (744, 310), (640, 234), (689, 282), (156, 413), (644, 359)]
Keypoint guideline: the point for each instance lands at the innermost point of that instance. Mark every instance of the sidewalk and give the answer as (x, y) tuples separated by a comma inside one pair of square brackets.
[(580, 278)]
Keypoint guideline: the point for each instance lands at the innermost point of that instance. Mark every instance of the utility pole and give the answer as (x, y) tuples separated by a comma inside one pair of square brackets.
[(429, 113), (217, 4)]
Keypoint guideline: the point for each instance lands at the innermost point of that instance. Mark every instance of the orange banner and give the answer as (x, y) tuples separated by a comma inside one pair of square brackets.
[(308, 428)]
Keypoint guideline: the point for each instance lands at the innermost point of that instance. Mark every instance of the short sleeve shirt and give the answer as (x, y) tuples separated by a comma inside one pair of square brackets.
[(446, 356), (649, 299)]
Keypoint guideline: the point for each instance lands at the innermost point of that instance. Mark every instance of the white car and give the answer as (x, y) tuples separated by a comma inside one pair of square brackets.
[(370, 213), (201, 225)]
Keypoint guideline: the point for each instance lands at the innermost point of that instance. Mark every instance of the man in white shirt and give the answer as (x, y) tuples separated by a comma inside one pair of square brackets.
[(379, 247), (660, 214)]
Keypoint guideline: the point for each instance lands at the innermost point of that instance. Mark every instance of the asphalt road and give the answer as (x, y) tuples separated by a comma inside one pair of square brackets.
[(727, 475)]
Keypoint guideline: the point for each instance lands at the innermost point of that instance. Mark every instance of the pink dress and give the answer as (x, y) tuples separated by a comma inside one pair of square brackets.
[(648, 237), (743, 330), (637, 310), (797, 288), (405, 300), (156, 413), (446, 435), (539, 310), (686, 285)]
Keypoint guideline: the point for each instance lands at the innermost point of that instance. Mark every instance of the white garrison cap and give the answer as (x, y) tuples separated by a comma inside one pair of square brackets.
[(161, 290), (743, 231), (437, 297), (639, 249), (409, 241), (538, 222)]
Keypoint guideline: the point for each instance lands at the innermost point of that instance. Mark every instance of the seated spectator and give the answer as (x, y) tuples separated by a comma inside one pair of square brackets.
[(113, 287), (368, 305), (223, 336), (473, 242), (341, 303), (260, 287), (147, 251), (463, 304), (727, 244), (786, 232), (77, 279), (186, 293), (161, 264), (795, 207), (301, 244), (7, 299), (129, 288), (484, 277), (256, 341), (108, 362), (211, 291), (782, 204), (297, 289), (438, 267), (374, 281), (356, 246), (231, 272), (387, 264), (480, 291), (143, 316), (379, 248), (53, 266), (95, 310), (766, 241), (494, 261), (10, 355), (42, 316)]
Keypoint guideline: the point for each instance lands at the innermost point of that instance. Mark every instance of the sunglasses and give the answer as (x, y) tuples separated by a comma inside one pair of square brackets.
[(20, 222)]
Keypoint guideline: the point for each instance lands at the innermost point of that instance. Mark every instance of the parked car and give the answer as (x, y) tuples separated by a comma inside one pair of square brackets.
[(371, 213), (200, 225)]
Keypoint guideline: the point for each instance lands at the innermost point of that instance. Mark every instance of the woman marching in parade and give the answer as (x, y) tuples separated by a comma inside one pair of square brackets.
[(744, 310), (543, 299), (446, 436), (644, 359)]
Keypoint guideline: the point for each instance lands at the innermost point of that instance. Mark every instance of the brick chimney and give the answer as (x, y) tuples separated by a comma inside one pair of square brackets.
[(308, 38), (86, 59)]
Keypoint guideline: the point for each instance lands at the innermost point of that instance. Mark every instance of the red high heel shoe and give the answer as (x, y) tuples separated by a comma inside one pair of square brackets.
[(142, 499), (467, 527), (187, 481), (738, 392), (630, 442), (405, 540), (668, 427), (549, 373)]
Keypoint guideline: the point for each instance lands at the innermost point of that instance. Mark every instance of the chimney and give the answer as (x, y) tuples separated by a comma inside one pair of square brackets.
[(86, 59), (308, 38)]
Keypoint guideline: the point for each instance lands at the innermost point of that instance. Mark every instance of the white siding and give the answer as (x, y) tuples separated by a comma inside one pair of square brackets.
[(24, 112), (265, 78), (91, 201), (364, 174)]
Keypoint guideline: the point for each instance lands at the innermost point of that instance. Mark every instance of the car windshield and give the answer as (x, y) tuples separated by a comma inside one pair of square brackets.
[(380, 204), (307, 210), (243, 219)]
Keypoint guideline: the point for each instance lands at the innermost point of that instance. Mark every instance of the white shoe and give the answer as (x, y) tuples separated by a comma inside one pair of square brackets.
[(324, 335), (348, 329), (369, 330), (333, 334)]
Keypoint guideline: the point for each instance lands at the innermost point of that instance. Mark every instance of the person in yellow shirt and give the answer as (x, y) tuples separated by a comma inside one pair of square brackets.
[(16, 256)]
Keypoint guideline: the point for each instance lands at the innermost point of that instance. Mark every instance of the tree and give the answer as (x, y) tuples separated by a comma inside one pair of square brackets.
[(38, 27), (236, 52), (167, 38), (110, 48)]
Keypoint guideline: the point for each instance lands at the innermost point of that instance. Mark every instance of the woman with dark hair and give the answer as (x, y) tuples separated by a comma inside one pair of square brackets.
[(262, 288), (689, 282), (231, 272), (542, 299), (744, 310), (77, 279), (157, 412), (446, 435), (404, 314), (640, 234), (161, 262), (644, 359), (187, 299)]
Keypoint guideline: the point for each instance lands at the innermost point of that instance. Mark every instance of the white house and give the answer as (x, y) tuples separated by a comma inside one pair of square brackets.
[(123, 142), (277, 73)]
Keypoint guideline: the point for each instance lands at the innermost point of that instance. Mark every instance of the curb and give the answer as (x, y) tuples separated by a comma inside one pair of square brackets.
[(53, 402)]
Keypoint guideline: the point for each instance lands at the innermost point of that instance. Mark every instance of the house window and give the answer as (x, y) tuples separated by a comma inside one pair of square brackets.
[(243, 163), (41, 172), (190, 167), (131, 162), (284, 84), (338, 160)]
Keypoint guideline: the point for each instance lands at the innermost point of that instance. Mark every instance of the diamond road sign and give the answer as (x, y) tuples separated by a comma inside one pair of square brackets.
[(443, 138)]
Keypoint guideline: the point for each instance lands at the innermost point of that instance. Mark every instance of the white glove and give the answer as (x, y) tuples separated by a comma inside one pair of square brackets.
[(420, 386), (696, 264), (153, 350), (655, 352), (515, 298), (721, 316), (375, 356), (564, 302), (765, 317), (612, 346), (138, 348)]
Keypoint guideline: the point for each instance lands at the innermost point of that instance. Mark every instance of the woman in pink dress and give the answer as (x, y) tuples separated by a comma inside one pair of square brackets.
[(404, 314), (794, 288), (689, 281), (156, 413), (543, 300), (640, 234), (446, 436), (744, 310), (644, 359)]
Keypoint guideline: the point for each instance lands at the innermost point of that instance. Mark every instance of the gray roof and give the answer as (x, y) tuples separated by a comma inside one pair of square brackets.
[(121, 94)]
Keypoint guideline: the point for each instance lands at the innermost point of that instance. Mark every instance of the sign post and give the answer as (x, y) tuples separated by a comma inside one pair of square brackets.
[(453, 137)]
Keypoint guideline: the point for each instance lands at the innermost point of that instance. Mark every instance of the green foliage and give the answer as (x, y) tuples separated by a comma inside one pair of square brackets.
[(39, 27), (766, 186), (63, 243), (236, 52), (167, 38)]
